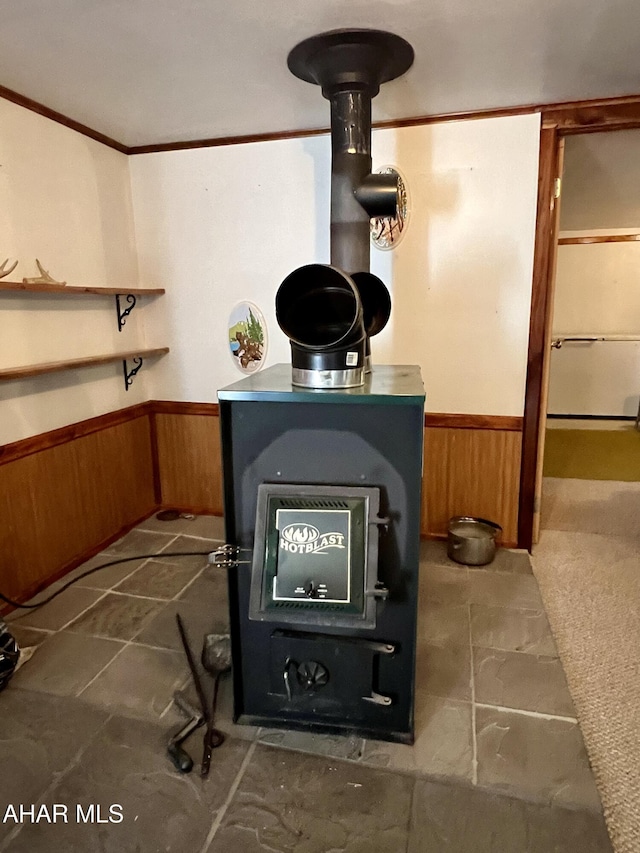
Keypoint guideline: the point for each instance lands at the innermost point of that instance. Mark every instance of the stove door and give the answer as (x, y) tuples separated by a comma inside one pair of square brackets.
[(315, 556), (326, 675)]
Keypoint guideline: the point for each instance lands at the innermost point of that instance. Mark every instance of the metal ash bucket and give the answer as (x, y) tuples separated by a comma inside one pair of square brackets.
[(472, 541)]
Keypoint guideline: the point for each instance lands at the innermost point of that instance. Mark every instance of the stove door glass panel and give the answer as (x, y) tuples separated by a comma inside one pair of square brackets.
[(315, 555)]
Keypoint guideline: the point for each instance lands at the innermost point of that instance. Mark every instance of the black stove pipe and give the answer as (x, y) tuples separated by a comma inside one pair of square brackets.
[(356, 194), (350, 66)]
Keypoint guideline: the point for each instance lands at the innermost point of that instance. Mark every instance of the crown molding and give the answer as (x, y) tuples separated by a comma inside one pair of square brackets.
[(569, 117)]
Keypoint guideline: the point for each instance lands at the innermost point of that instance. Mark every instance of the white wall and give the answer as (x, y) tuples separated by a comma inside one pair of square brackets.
[(66, 200), (596, 293), (218, 225), (597, 288)]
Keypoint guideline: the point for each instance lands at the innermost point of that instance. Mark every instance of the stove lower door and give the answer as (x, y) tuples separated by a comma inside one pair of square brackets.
[(326, 677)]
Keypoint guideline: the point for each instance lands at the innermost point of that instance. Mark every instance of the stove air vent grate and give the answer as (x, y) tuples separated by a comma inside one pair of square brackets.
[(314, 503)]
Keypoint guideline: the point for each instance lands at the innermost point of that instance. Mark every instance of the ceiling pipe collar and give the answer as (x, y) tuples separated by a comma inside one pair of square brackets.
[(351, 60)]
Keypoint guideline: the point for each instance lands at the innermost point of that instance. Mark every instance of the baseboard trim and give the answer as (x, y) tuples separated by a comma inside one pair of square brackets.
[(53, 438), (171, 407), (62, 435), (510, 423)]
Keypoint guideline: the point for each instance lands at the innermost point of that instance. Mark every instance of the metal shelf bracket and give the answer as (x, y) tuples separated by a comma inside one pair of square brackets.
[(123, 313), (129, 374)]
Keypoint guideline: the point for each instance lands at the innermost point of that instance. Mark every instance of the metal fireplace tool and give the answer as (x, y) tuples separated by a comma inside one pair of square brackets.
[(216, 660)]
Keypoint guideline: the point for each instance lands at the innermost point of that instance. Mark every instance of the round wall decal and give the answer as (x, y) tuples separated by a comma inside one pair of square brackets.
[(247, 337), (387, 231)]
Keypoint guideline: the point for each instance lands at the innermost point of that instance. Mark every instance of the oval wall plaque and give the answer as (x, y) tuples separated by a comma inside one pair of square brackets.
[(247, 337), (387, 231)]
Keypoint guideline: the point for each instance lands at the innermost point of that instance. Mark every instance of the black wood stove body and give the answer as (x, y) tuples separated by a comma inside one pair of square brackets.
[(322, 493)]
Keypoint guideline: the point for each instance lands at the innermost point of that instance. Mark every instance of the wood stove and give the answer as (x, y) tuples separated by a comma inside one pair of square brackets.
[(322, 493), (323, 458)]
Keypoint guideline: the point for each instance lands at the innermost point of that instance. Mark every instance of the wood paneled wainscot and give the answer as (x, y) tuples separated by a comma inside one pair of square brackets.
[(66, 494), (189, 458), (471, 467)]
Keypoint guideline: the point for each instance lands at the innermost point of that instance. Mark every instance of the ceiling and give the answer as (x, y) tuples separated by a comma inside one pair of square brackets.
[(159, 71)]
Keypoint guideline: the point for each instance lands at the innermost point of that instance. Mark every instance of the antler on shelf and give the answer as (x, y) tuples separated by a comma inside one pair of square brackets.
[(4, 272), (43, 278)]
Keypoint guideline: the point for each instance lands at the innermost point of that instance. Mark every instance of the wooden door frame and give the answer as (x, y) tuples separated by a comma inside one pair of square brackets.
[(587, 117)]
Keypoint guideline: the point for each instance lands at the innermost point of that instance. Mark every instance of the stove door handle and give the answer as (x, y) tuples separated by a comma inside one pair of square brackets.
[(381, 521), (379, 591), (378, 699), (286, 675)]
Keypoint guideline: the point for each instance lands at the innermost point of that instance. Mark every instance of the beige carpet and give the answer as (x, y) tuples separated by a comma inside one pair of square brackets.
[(588, 567)]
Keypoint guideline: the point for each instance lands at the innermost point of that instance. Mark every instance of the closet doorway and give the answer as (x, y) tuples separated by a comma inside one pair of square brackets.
[(560, 126), (594, 363)]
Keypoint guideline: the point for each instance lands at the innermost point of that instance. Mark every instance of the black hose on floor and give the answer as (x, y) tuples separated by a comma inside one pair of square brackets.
[(105, 566)]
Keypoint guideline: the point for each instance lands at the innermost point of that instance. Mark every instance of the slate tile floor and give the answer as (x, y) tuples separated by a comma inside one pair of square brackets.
[(498, 765)]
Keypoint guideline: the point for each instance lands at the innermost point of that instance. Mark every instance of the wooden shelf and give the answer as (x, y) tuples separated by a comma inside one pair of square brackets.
[(9, 373), (72, 290), (122, 311), (131, 293)]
